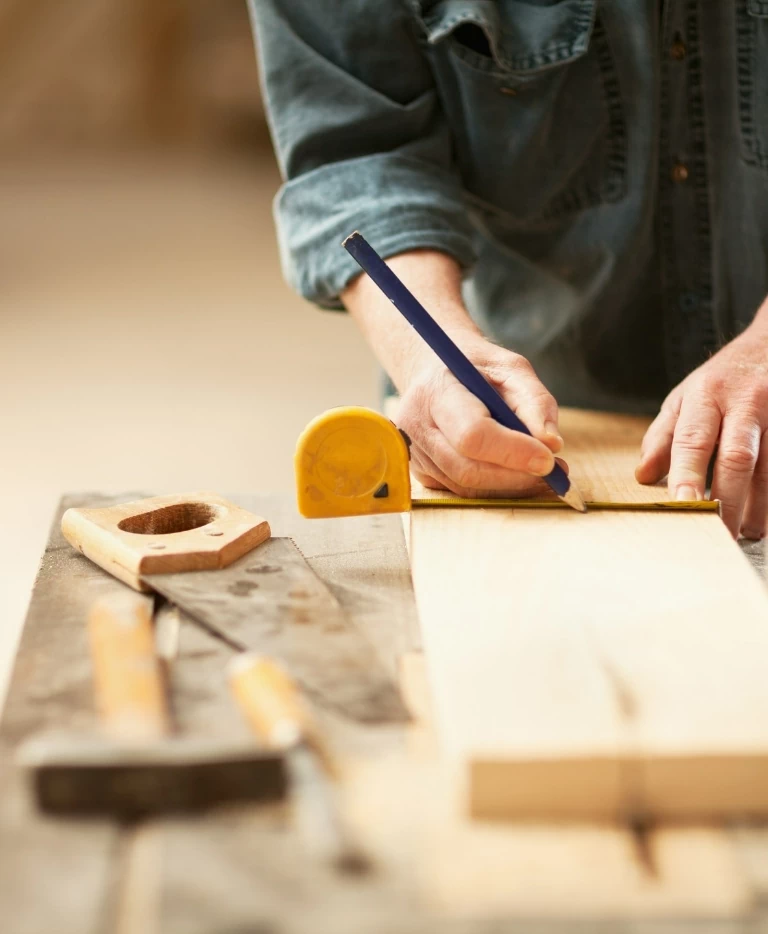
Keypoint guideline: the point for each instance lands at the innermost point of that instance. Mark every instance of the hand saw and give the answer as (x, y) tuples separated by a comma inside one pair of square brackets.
[(266, 599)]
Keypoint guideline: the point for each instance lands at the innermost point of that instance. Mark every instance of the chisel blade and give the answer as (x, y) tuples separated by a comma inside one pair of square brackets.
[(272, 602)]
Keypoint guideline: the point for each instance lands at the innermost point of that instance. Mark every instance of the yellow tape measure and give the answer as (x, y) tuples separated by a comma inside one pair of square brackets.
[(351, 461)]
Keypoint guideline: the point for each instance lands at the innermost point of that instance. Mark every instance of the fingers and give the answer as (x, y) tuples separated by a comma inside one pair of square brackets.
[(656, 449), (737, 459), (530, 400), (695, 436), (754, 523), (459, 447), (471, 478), (475, 436)]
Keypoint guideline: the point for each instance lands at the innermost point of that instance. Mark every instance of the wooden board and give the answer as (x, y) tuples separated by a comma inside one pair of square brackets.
[(602, 451), (241, 869), (596, 666), (93, 875)]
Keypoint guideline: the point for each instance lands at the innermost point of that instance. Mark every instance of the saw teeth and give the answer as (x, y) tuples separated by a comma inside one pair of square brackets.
[(292, 540)]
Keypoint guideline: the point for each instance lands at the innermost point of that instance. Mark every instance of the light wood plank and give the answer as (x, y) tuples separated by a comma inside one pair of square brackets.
[(577, 873), (590, 666), (602, 450)]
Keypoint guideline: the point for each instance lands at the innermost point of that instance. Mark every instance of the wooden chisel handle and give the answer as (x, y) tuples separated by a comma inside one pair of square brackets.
[(270, 701), (276, 713), (128, 682), (274, 707)]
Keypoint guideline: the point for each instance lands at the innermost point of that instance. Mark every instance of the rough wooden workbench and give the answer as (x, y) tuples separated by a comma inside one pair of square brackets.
[(242, 869)]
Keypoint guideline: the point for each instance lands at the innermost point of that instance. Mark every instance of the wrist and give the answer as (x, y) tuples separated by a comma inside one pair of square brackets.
[(419, 362)]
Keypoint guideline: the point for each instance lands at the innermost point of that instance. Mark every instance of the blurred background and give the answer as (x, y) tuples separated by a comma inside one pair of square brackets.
[(147, 340)]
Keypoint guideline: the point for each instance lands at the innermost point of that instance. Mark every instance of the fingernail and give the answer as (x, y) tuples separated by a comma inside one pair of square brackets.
[(687, 494), (540, 465), (754, 535), (553, 431)]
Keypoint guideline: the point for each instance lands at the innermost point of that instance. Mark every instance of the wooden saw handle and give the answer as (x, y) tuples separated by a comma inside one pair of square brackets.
[(128, 682), (164, 535)]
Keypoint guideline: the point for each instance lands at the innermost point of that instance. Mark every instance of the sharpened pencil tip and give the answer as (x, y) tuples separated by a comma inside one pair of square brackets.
[(574, 500)]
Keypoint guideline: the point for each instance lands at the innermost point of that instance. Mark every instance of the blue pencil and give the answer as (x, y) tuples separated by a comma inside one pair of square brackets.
[(461, 367)]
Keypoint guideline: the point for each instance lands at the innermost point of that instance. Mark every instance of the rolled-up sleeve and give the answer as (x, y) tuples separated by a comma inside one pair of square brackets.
[(360, 137)]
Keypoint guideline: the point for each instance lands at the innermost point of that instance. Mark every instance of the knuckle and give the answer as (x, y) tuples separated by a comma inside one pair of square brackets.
[(691, 439), (738, 457), (712, 384), (542, 398), (520, 363), (469, 439), (515, 369), (465, 475), (670, 407)]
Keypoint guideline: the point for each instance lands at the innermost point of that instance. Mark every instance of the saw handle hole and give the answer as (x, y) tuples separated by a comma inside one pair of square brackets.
[(180, 517)]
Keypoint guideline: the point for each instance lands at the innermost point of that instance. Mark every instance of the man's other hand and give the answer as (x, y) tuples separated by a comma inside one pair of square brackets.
[(723, 406)]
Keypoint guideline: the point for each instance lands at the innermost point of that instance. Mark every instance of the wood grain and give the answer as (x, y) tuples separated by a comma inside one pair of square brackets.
[(594, 666), (272, 602)]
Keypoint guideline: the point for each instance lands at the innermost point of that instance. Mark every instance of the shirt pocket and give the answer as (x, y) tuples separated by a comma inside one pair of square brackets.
[(752, 78), (531, 93)]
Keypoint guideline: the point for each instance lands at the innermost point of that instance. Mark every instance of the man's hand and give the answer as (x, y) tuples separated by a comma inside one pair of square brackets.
[(457, 446), (724, 405)]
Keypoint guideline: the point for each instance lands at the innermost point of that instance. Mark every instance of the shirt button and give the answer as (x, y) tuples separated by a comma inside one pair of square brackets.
[(677, 50), (680, 172), (688, 301)]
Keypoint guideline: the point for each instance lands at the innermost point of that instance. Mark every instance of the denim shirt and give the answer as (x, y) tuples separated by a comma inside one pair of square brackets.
[(599, 167)]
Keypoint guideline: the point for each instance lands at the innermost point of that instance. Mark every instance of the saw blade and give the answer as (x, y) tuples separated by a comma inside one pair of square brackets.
[(272, 602)]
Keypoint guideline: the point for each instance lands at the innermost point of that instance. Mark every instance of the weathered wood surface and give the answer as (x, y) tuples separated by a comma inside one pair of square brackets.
[(51, 689), (241, 869), (271, 601)]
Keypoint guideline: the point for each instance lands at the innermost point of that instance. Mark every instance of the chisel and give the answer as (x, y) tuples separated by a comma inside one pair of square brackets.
[(276, 714)]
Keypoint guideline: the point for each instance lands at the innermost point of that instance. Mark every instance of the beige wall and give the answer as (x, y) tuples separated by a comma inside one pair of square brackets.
[(147, 339), (101, 73)]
